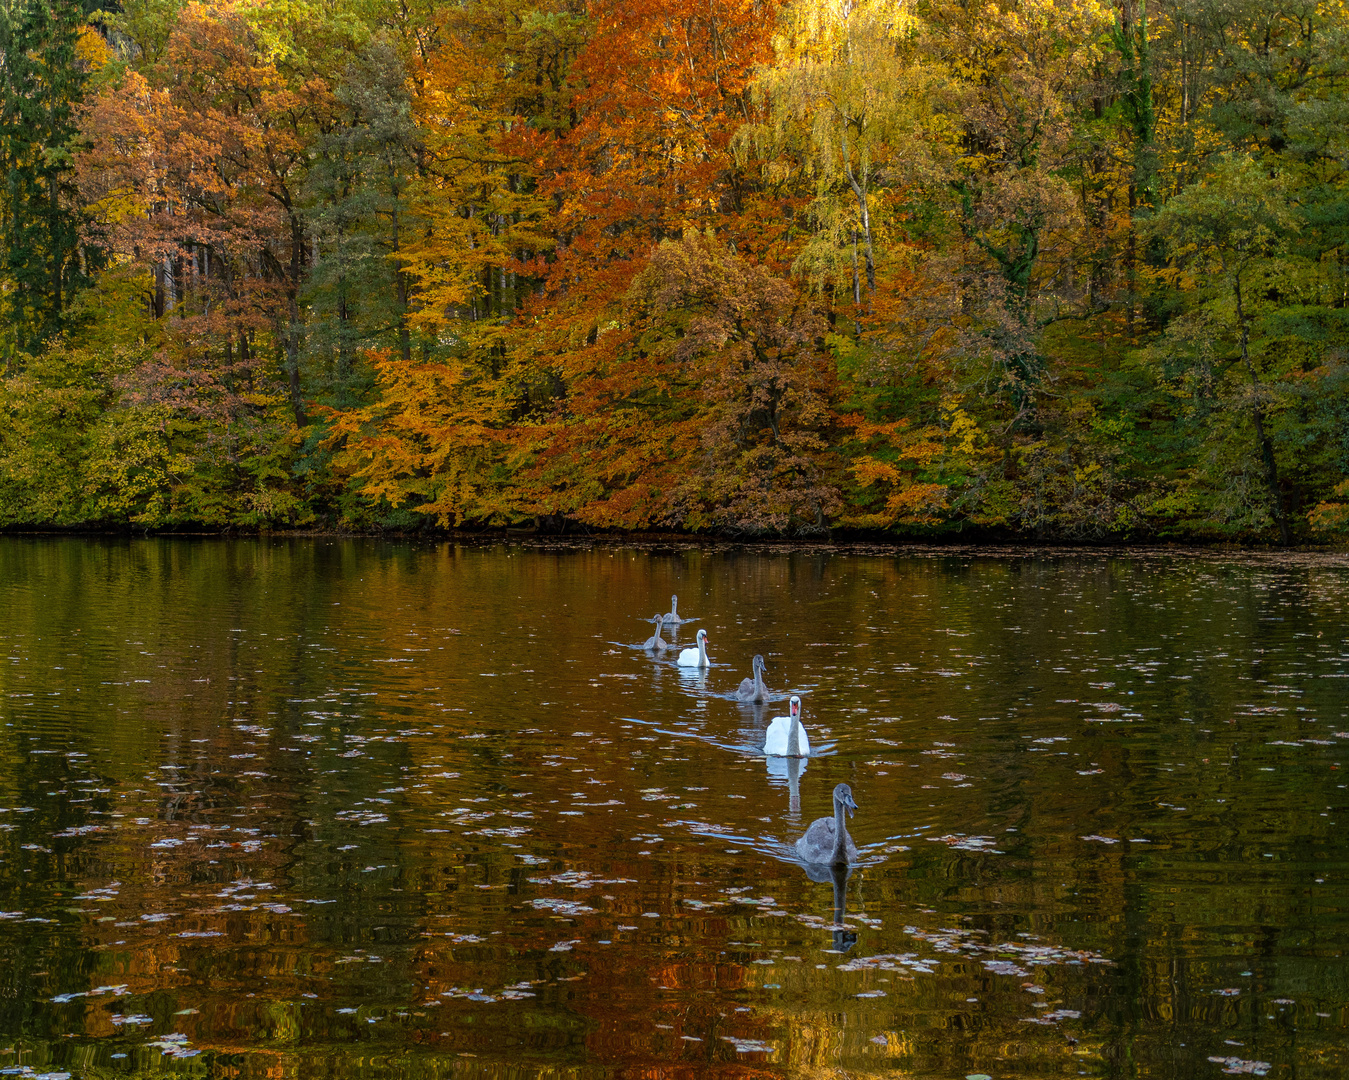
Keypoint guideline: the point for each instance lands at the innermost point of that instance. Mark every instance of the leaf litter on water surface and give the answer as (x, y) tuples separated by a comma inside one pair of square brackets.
[(961, 842), (750, 1046), (562, 907), (1239, 1066)]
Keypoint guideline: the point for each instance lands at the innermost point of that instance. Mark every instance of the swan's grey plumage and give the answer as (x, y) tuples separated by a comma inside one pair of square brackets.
[(673, 619), (655, 642), (754, 689), (786, 735), (696, 657), (827, 842)]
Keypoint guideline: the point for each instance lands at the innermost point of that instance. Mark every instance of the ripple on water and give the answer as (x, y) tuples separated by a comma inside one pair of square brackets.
[(342, 789)]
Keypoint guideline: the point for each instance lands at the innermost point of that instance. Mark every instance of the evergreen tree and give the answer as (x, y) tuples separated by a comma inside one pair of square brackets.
[(41, 85)]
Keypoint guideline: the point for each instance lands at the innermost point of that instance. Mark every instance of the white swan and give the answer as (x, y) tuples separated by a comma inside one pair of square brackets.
[(673, 619), (754, 689), (655, 642), (786, 735), (695, 657), (827, 842)]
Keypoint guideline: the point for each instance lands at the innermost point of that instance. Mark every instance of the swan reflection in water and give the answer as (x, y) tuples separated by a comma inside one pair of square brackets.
[(789, 771), (844, 938)]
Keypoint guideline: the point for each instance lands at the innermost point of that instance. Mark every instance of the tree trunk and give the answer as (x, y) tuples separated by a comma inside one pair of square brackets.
[(294, 330)]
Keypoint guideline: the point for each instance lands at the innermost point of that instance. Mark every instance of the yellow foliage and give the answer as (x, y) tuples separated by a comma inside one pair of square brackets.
[(963, 429), (918, 504), (869, 471), (91, 49)]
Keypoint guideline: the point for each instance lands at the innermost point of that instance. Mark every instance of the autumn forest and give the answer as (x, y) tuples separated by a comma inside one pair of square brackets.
[(1040, 269)]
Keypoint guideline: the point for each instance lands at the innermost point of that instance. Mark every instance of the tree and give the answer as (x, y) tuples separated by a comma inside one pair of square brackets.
[(714, 407), (42, 83), (1020, 68), (360, 215), (1228, 232), (848, 98)]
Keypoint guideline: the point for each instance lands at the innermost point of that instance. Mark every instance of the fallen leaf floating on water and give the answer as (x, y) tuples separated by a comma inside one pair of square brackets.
[(562, 907), (1052, 1017), (750, 1046), (117, 991), (1238, 1066), (580, 879), (174, 1046), (960, 942), (961, 842)]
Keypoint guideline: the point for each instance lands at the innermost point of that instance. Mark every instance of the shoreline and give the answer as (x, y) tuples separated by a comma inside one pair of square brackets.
[(989, 547)]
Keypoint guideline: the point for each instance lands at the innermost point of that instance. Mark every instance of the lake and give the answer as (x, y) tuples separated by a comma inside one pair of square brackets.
[(347, 808)]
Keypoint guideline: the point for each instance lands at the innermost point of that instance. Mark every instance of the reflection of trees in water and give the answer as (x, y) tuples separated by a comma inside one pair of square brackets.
[(358, 680)]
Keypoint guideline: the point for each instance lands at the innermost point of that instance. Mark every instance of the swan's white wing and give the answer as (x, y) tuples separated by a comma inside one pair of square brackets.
[(775, 739)]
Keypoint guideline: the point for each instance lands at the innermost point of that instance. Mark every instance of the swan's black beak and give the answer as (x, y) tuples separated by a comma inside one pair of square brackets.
[(849, 805)]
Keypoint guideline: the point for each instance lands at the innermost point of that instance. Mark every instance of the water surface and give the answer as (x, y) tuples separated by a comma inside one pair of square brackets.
[(347, 808)]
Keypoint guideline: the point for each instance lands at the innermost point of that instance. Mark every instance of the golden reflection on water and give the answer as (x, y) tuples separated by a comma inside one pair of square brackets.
[(342, 807)]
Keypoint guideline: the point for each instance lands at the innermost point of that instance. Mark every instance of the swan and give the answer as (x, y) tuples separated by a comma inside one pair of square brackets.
[(655, 641), (673, 619), (826, 842), (695, 657), (754, 689), (786, 735)]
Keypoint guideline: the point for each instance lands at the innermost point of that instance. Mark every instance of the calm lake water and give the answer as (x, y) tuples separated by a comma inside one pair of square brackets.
[(340, 808)]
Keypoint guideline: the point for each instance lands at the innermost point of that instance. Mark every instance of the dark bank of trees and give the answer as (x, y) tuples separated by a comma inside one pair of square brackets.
[(1043, 267)]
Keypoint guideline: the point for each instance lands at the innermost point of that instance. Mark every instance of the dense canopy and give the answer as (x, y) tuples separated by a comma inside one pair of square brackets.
[(1045, 268)]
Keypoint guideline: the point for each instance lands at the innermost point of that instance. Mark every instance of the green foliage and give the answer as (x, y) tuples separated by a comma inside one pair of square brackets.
[(1052, 269), (42, 262)]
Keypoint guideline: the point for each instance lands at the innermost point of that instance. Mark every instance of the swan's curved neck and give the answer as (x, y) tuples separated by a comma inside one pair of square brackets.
[(759, 687), (840, 854), (794, 737), (702, 651)]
